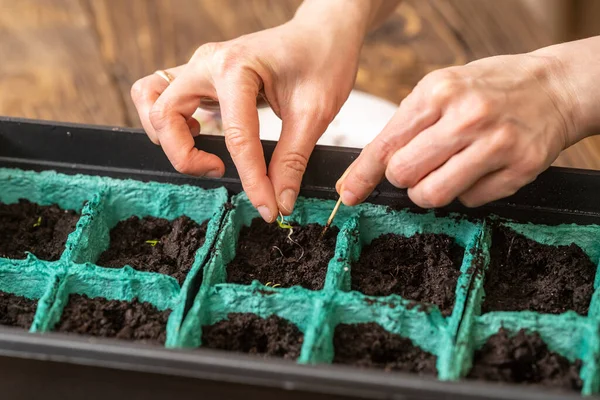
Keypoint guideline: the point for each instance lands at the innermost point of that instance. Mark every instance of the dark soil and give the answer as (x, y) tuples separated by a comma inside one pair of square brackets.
[(41, 230), (371, 346), (114, 319), (173, 254), (265, 253), (526, 275), (423, 268), (248, 333), (16, 310), (525, 359)]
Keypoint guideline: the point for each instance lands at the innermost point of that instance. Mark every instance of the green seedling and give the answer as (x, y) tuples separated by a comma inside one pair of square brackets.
[(271, 284), (38, 222), (283, 224), (152, 242)]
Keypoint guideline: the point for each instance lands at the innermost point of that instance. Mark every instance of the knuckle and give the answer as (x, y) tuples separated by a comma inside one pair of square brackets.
[(236, 140), (442, 85), (227, 59), (530, 166), (138, 89), (433, 196), (469, 201), (360, 180), (182, 166), (480, 107), (205, 50), (382, 149), (294, 162), (502, 141), (401, 174), (160, 116)]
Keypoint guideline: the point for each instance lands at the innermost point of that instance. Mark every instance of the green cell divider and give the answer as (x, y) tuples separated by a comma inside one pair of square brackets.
[(79, 243), (377, 220), (569, 334), (127, 198), (35, 280), (305, 212), (47, 188), (426, 329), (69, 192), (296, 304), (124, 284)]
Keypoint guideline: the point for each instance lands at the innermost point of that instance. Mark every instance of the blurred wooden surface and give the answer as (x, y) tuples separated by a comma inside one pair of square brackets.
[(75, 60)]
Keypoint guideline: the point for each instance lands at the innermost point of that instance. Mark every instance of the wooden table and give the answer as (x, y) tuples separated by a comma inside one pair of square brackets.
[(75, 60)]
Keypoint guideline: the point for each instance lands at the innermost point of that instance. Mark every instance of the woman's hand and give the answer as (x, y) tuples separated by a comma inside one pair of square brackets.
[(306, 69), (477, 132)]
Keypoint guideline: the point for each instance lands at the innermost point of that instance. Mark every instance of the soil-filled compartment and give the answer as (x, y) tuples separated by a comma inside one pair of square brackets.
[(17, 311), (30, 227), (130, 320), (248, 333), (424, 268), (283, 257), (526, 275), (524, 358), (368, 345), (155, 245)]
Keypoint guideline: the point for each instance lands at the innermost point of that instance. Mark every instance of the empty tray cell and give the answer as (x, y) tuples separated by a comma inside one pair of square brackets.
[(524, 358), (240, 318), (153, 227), (123, 304), (26, 293), (539, 268), (39, 212), (248, 333), (130, 320), (416, 256), (292, 253), (370, 346)]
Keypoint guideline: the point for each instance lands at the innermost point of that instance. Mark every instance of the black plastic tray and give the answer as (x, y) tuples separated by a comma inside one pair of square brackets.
[(58, 366)]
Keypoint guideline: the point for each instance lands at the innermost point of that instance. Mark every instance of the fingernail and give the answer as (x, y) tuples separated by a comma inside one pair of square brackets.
[(213, 173), (349, 198), (287, 198), (265, 213)]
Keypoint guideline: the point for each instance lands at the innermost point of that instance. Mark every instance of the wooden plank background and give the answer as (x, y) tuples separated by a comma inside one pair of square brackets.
[(75, 60)]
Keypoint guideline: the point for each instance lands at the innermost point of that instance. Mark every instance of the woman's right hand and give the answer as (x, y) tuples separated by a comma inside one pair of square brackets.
[(306, 69)]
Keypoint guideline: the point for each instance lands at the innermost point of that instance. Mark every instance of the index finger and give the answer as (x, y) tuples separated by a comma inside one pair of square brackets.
[(169, 117), (237, 97), (368, 169)]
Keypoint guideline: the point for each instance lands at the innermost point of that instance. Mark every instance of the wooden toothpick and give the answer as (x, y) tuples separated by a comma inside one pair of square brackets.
[(332, 216)]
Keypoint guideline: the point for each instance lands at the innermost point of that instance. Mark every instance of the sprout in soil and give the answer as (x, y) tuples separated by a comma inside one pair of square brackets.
[(152, 242), (284, 225), (38, 222)]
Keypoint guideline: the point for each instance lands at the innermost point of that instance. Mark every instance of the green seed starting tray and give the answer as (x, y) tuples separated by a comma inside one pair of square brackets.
[(103, 202)]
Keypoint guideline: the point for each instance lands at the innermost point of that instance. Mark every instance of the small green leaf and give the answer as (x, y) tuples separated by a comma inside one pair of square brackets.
[(152, 242)]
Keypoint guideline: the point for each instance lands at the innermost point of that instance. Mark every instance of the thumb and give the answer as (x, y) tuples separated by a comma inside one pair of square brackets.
[(299, 135)]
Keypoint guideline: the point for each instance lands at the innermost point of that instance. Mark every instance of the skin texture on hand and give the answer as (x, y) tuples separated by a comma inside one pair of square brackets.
[(477, 132), (306, 69)]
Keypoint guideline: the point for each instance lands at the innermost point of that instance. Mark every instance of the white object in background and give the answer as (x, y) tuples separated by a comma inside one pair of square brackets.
[(361, 118)]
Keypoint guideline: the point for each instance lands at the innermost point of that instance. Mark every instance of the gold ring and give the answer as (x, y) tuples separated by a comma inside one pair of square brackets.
[(165, 75)]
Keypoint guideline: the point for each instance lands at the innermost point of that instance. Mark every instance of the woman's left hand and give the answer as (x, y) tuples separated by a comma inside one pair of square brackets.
[(477, 132)]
